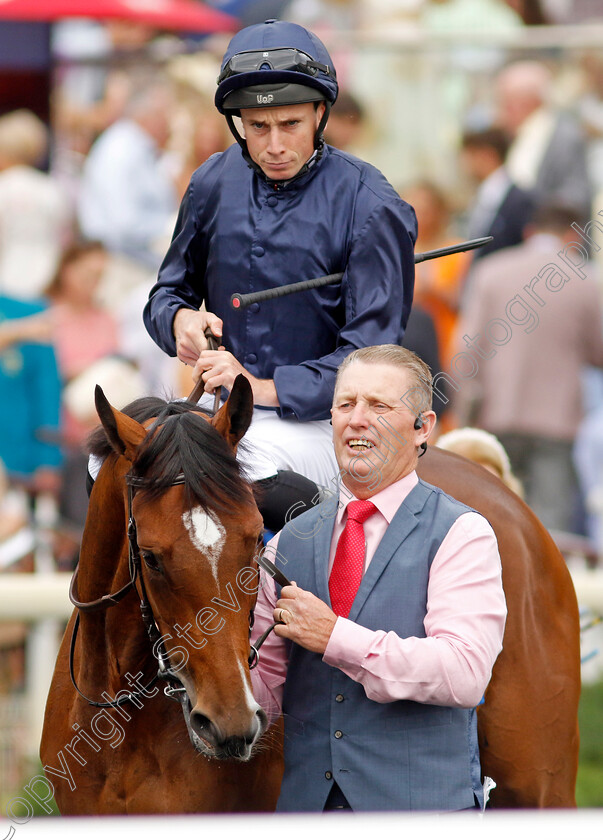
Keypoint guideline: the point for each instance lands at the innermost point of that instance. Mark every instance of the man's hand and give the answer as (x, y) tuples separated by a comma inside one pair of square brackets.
[(219, 367), (189, 326), (307, 620)]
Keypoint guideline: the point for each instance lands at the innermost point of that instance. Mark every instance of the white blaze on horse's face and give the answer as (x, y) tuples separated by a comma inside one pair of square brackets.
[(207, 534)]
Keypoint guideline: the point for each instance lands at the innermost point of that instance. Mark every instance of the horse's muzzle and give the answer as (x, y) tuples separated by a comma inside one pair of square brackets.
[(227, 746)]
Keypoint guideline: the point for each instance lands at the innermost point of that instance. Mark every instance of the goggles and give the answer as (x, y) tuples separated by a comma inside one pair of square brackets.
[(282, 58)]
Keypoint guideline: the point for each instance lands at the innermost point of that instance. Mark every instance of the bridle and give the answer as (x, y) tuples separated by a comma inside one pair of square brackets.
[(174, 689)]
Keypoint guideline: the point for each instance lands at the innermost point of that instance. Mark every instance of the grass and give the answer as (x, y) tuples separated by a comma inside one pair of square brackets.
[(589, 789)]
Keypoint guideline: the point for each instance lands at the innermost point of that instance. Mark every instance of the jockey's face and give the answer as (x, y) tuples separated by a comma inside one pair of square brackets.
[(281, 139), (374, 412)]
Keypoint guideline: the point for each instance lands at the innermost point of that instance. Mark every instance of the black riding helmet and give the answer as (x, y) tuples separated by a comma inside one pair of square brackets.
[(271, 64)]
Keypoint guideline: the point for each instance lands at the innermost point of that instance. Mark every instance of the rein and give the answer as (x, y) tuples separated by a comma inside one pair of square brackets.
[(165, 672)]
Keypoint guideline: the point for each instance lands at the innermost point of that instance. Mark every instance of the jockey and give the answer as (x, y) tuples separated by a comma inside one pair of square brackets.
[(277, 207)]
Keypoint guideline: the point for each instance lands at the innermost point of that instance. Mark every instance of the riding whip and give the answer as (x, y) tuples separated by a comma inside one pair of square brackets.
[(241, 301)]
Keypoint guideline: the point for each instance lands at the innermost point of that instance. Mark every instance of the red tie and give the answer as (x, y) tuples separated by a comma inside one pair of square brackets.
[(348, 565)]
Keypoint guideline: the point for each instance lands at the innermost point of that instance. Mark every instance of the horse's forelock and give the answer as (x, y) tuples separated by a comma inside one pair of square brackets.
[(186, 444), (142, 410)]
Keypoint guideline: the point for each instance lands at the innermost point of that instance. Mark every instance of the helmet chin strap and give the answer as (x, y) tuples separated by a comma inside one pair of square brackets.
[(322, 124), (318, 143)]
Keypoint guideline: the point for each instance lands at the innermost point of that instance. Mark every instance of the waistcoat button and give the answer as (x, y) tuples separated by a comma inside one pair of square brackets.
[(328, 775), (272, 201), (339, 698), (258, 251), (338, 733)]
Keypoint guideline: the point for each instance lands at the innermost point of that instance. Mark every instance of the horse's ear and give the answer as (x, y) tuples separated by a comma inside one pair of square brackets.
[(123, 433), (234, 418)]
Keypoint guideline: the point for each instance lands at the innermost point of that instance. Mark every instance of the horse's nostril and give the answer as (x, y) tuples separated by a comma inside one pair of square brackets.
[(261, 722), (258, 725), (204, 727)]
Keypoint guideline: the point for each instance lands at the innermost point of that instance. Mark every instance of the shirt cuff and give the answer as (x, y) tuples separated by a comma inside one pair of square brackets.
[(348, 646)]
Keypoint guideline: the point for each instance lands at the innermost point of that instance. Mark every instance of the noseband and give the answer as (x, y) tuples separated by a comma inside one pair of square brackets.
[(174, 689)]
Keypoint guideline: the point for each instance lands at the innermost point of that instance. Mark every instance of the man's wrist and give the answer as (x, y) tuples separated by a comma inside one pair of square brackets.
[(179, 316), (264, 392)]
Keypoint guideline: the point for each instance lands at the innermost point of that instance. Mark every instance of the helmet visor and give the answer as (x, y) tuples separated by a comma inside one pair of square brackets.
[(281, 58), (265, 96)]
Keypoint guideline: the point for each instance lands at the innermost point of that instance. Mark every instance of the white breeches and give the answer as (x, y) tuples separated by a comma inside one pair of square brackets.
[(273, 444)]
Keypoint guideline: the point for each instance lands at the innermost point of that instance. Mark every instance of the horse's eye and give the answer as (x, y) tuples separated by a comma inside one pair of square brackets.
[(151, 561)]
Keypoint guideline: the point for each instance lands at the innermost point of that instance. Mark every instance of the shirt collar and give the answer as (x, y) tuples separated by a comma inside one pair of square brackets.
[(387, 501)]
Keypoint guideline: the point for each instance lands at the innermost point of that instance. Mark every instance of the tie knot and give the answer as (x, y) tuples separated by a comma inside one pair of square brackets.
[(360, 511)]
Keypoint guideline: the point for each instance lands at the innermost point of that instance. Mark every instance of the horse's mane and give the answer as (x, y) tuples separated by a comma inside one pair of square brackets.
[(180, 442)]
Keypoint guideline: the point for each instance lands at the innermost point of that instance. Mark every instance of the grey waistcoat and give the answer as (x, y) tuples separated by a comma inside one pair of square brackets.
[(384, 756)]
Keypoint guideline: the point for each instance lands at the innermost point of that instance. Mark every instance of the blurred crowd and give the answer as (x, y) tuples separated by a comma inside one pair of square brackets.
[(512, 331)]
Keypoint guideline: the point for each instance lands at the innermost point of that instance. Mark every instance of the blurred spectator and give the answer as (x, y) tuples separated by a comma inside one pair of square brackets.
[(530, 338), (97, 68), (207, 134), (122, 383), (128, 196), (500, 209), (589, 107), (92, 80), (35, 218), (81, 331), (16, 541), (588, 460), (532, 12), (469, 15), (387, 17), (590, 111), (162, 374), (437, 282), (346, 122), (483, 448), (30, 394), (548, 150), (420, 336), (570, 12), (12, 518)]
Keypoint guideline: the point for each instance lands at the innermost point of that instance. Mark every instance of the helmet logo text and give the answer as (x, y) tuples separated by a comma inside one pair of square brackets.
[(264, 100)]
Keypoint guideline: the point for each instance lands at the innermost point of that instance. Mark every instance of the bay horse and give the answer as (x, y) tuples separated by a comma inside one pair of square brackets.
[(171, 521), (528, 723)]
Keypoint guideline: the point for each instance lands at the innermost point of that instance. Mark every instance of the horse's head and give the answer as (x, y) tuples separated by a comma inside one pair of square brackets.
[(198, 530)]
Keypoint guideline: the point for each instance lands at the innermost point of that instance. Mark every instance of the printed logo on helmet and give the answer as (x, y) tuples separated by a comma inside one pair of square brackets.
[(263, 99)]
